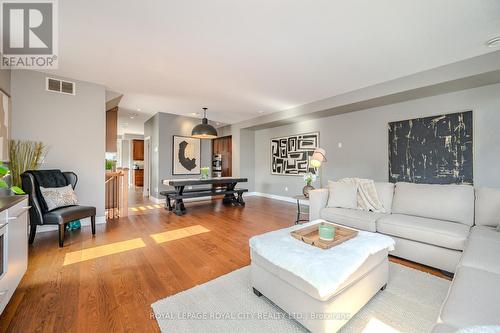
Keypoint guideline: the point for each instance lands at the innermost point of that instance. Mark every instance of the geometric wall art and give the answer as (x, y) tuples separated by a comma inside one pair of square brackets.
[(432, 150), (186, 152), (290, 154)]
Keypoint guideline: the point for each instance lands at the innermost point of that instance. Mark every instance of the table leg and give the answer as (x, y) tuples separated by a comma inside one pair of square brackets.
[(179, 203), (298, 212), (230, 198), (240, 200)]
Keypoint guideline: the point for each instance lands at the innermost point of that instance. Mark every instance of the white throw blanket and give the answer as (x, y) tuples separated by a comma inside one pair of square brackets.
[(310, 263), (367, 194)]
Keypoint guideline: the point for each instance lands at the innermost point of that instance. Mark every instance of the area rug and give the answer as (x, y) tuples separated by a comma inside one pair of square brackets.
[(410, 303)]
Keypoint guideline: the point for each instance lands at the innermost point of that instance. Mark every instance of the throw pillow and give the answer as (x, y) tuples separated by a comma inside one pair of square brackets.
[(343, 195), (56, 197)]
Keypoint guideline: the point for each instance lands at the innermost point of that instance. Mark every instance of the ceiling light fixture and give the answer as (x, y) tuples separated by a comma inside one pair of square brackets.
[(204, 130), (493, 42)]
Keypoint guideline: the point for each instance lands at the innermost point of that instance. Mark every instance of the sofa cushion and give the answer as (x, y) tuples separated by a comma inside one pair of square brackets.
[(435, 232), (472, 299), (487, 206), (442, 202), (353, 218), (482, 253), (385, 193), (342, 195), (483, 232)]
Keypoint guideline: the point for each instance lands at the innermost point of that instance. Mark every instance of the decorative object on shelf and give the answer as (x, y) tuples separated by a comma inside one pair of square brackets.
[(204, 130), (309, 178), (317, 159), (5, 180), (25, 155), (186, 154), (205, 172), (290, 155), (432, 150)]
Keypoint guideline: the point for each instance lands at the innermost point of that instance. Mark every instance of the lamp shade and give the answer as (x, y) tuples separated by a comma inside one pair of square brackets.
[(204, 130), (319, 155)]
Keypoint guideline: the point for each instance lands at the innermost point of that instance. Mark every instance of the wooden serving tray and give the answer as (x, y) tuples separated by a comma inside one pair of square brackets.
[(310, 235)]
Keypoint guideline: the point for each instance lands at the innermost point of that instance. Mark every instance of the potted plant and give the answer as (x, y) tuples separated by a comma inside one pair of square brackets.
[(24, 155), (309, 178)]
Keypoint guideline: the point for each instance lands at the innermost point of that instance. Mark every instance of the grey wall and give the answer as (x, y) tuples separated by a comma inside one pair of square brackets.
[(72, 126), (364, 139), (161, 128), (5, 80)]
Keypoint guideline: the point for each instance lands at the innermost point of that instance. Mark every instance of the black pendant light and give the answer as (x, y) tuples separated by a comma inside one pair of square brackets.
[(204, 130)]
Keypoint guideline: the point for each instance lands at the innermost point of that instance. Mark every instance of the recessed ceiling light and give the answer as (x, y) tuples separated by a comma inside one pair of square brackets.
[(493, 42), (132, 115), (139, 110), (261, 111), (218, 124), (194, 114)]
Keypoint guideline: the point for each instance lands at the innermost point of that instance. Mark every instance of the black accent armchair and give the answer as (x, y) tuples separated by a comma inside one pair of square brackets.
[(39, 213)]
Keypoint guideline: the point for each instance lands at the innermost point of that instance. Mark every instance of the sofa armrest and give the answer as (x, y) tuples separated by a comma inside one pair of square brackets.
[(317, 201)]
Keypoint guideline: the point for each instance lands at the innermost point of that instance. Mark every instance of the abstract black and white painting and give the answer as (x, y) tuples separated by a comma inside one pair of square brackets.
[(186, 154), (432, 150), (290, 154)]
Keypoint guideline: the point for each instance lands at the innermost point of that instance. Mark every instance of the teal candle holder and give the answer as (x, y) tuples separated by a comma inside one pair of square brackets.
[(326, 232)]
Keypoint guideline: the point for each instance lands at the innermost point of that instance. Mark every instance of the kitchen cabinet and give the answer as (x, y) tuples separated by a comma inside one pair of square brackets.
[(111, 130), (139, 177), (14, 222), (138, 150)]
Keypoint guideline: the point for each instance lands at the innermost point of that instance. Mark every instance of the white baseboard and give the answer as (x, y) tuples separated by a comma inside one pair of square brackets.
[(278, 197), (85, 223)]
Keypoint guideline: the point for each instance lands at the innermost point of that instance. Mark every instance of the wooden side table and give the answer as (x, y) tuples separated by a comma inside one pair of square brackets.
[(302, 210)]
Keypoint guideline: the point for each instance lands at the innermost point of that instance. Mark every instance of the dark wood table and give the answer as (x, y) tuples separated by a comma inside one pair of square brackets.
[(225, 186)]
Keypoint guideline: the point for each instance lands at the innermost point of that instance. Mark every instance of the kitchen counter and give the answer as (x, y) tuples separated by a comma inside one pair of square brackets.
[(9, 201)]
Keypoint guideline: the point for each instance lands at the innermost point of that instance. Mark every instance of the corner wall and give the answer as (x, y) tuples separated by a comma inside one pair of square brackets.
[(364, 138), (73, 127)]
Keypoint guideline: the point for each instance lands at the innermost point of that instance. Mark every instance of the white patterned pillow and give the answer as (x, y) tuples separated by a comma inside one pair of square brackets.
[(56, 197)]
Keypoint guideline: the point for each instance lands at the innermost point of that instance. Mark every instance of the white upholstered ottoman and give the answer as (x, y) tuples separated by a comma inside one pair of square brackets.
[(321, 289)]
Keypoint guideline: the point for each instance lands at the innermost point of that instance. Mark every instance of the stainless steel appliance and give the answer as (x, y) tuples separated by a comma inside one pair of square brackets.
[(217, 165)]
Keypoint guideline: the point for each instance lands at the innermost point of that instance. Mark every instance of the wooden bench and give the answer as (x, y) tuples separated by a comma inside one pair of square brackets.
[(205, 192)]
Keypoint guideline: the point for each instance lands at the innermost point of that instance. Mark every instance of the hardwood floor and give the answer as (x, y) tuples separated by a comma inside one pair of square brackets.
[(108, 283)]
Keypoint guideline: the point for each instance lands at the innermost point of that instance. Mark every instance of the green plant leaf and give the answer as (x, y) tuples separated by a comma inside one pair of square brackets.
[(3, 170), (17, 190), (3, 184)]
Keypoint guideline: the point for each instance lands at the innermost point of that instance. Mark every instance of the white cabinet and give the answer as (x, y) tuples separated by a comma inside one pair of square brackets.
[(16, 245)]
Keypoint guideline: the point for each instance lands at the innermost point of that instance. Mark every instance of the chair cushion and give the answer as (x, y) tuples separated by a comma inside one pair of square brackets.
[(68, 214), (487, 206), (473, 299), (353, 218), (442, 202), (482, 253), (446, 234)]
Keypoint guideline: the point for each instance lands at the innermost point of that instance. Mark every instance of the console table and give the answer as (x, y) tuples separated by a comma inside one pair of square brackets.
[(226, 187)]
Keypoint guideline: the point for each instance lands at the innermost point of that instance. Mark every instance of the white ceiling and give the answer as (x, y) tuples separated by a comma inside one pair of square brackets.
[(241, 57)]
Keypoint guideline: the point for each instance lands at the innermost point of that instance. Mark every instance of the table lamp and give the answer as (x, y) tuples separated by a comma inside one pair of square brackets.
[(318, 157)]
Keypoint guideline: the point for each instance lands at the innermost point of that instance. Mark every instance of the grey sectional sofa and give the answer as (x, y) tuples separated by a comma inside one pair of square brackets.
[(450, 227)]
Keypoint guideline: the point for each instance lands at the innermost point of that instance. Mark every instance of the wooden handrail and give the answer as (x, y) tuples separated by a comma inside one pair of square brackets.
[(117, 193)]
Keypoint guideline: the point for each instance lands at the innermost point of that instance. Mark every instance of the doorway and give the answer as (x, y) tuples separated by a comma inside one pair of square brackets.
[(224, 148), (147, 167)]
